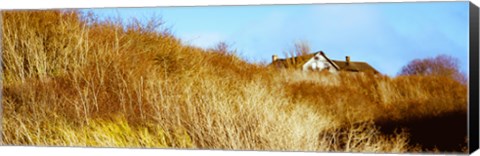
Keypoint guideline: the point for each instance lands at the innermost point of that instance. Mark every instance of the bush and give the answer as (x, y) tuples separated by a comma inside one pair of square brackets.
[(441, 65)]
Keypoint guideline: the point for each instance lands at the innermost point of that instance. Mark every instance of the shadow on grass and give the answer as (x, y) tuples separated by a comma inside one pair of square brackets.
[(446, 132)]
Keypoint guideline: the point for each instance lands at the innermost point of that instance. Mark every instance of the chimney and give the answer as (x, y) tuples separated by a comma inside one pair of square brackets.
[(347, 58), (274, 58)]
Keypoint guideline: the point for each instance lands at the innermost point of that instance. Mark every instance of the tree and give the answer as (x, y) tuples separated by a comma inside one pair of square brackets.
[(222, 47), (441, 65), (299, 48)]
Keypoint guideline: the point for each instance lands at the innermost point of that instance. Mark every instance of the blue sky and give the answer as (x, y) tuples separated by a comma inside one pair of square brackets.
[(386, 35)]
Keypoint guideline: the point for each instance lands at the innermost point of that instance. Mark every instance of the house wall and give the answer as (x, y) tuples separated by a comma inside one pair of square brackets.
[(318, 64)]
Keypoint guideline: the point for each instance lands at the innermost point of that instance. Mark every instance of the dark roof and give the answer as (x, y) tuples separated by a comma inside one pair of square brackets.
[(355, 66), (295, 62)]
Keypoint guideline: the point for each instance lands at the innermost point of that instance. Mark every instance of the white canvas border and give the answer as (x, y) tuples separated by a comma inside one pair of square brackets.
[(49, 4), (78, 151)]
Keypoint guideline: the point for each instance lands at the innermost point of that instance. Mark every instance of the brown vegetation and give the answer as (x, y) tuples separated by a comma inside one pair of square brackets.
[(72, 80)]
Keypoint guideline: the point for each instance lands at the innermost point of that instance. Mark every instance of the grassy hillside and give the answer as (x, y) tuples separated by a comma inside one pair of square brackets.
[(72, 80)]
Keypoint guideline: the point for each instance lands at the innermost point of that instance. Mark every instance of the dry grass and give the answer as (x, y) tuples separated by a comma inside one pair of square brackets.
[(72, 80)]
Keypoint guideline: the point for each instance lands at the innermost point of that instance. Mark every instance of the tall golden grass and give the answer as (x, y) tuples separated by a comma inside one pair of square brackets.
[(70, 79)]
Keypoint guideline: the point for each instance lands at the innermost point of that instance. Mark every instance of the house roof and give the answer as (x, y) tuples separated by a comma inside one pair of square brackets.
[(299, 61), (295, 62), (355, 66)]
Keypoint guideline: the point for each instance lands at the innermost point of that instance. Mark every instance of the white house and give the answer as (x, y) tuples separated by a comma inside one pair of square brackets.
[(320, 62)]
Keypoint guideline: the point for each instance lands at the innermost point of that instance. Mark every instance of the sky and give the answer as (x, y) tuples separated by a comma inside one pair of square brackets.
[(385, 35)]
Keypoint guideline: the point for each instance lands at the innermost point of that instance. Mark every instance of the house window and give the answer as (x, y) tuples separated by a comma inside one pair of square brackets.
[(326, 65)]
